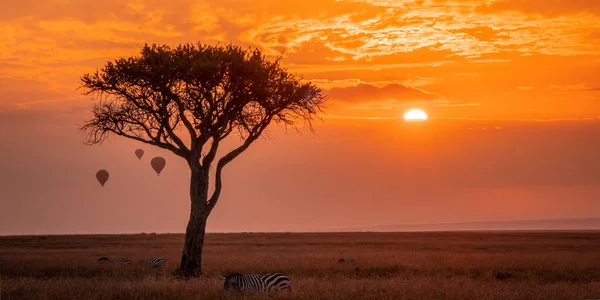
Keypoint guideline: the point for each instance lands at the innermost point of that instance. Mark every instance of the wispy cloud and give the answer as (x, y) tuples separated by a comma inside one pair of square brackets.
[(525, 88), (582, 87), (370, 93)]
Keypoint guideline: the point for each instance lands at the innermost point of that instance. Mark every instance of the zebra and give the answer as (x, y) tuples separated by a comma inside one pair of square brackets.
[(347, 260), (248, 283), (153, 261), (114, 261)]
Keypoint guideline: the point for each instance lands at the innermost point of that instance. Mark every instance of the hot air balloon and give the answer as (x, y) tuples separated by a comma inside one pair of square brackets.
[(102, 176), (158, 164), (139, 153)]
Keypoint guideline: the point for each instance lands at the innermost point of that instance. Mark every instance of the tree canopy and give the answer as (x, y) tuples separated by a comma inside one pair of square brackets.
[(204, 90)]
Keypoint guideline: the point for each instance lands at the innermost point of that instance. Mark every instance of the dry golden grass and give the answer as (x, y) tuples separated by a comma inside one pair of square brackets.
[(485, 265)]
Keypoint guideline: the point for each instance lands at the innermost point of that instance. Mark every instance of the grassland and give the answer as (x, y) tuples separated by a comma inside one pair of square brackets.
[(458, 265)]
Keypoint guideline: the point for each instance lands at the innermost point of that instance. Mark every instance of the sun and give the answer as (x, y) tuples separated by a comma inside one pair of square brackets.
[(415, 115)]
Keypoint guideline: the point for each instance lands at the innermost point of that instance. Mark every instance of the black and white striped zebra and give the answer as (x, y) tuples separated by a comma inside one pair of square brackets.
[(347, 260), (249, 283), (154, 262), (114, 261)]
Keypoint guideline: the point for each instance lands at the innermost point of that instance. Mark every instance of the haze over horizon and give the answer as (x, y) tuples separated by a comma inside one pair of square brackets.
[(511, 89)]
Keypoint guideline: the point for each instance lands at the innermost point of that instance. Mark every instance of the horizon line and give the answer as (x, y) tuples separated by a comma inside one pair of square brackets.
[(362, 229), (308, 232)]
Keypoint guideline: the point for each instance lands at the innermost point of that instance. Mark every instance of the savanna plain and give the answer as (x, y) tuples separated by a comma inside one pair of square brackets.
[(415, 265)]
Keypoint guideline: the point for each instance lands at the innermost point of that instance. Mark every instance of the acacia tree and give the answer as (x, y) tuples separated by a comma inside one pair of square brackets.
[(188, 99)]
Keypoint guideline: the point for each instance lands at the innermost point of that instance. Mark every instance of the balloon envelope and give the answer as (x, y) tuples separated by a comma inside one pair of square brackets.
[(158, 164), (139, 153), (102, 176)]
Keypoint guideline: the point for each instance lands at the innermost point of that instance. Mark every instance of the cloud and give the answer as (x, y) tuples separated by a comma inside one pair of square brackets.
[(438, 25), (525, 87), (369, 93), (547, 8), (406, 80), (15, 92), (456, 104), (376, 42), (582, 87)]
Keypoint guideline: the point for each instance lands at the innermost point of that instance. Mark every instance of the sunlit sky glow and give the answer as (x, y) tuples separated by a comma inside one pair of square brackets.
[(415, 114), (477, 67)]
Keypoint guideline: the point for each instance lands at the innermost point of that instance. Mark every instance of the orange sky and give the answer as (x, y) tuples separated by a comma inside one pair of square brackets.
[(512, 89)]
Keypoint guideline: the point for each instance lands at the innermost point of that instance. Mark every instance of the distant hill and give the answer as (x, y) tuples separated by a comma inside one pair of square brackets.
[(548, 224)]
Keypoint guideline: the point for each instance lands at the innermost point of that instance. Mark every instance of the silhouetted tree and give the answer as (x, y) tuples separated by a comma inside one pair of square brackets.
[(188, 99)]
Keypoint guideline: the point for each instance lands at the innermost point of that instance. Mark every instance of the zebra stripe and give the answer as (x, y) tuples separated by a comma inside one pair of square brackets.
[(249, 283), (114, 261), (153, 261)]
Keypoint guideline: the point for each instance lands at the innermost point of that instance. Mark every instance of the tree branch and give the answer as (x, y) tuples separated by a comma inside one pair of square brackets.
[(230, 157), (108, 119), (181, 108), (165, 146), (210, 156)]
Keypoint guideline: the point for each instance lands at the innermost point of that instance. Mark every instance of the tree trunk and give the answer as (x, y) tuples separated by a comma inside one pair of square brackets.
[(191, 258)]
